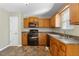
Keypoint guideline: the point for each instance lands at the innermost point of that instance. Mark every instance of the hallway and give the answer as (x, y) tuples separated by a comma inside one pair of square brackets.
[(25, 51)]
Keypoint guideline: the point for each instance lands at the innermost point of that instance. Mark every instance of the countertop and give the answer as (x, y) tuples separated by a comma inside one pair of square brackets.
[(64, 39)]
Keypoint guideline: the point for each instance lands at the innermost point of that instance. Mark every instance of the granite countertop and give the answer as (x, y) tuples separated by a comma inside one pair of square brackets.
[(64, 39)]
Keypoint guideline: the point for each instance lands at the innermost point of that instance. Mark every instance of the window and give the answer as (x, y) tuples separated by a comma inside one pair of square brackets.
[(65, 19)]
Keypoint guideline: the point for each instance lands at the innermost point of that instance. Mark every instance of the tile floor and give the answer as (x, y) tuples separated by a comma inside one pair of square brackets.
[(25, 51)]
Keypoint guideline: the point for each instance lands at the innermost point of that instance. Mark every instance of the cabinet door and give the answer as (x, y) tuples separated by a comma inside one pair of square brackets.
[(46, 23), (42, 39), (41, 23), (52, 22), (74, 13), (61, 53), (24, 38), (26, 23), (31, 19), (53, 48)]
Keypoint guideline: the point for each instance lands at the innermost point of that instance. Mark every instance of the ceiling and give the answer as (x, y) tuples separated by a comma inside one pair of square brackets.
[(32, 9)]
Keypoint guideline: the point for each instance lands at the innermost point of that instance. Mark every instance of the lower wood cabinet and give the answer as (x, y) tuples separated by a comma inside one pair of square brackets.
[(58, 48), (61, 53), (53, 47), (24, 38), (42, 39)]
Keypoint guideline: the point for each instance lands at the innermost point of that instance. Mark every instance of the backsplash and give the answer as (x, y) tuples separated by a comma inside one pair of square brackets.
[(40, 29), (74, 31)]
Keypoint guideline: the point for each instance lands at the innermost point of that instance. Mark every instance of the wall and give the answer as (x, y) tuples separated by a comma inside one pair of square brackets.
[(39, 29), (74, 31), (4, 28)]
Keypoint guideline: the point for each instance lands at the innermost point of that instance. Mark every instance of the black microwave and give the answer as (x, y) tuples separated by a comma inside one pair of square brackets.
[(32, 25)]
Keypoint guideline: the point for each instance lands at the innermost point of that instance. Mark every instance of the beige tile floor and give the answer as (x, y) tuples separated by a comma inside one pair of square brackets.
[(25, 51)]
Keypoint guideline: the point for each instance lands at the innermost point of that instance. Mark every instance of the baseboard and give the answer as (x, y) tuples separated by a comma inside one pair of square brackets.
[(4, 47)]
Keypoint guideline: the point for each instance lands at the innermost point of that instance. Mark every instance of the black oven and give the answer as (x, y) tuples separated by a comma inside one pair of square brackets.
[(33, 37)]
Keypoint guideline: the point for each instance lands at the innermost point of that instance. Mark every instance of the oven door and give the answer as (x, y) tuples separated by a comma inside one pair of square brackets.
[(33, 41)]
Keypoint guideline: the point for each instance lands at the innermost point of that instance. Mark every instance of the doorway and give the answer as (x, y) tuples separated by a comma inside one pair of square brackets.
[(14, 30)]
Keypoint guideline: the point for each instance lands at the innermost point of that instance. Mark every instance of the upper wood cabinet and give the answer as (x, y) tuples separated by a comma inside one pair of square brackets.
[(55, 21), (74, 13), (33, 19), (52, 21), (70, 12), (44, 23), (26, 23), (41, 22)]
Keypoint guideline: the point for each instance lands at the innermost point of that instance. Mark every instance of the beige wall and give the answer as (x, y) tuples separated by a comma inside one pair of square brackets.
[(74, 31), (4, 28)]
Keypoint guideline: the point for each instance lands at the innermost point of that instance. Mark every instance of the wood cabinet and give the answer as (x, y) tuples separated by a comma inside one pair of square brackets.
[(40, 22), (26, 23), (55, 21), (33, 19), (28, 20), (58, 48), (44, 23), (24, 38), (53, 47), (74, 13), (42, 39), (52, 21)]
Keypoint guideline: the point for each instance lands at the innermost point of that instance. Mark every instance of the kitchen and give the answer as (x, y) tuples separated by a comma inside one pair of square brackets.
[(56, 35)]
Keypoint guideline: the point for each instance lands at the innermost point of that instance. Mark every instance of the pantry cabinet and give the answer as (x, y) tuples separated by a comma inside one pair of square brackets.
[(42, 39), (74, 13), (58, 48), (24, 38)]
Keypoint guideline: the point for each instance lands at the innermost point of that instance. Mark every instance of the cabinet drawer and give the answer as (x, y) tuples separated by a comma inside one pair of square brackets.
[(62, 47), (61, 53)]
